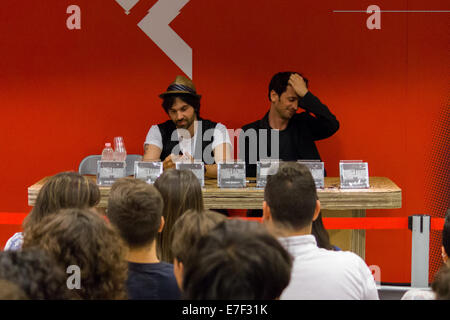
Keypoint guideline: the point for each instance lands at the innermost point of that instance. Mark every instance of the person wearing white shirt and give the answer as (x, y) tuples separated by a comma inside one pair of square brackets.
[(186, 135), (289, 208)]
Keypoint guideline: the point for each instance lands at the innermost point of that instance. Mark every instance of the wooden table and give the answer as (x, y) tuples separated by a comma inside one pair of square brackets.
[(382, 194)]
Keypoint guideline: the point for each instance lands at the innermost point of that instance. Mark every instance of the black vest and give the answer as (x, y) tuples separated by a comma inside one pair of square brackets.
[(170, 139)]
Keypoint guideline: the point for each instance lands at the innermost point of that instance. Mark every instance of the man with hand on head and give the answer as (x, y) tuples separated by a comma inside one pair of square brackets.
[(297, 132), (186, 136)]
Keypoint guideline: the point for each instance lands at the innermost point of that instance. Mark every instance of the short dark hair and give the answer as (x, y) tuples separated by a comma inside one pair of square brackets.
[(280, 80), (190, 227), (236, 260), (291, 196), (36, 274), (135, 209), (446, 233), (194, 101)]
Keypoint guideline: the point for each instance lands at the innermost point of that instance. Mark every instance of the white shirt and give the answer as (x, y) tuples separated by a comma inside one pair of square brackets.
[(186, 142), (320, 274)]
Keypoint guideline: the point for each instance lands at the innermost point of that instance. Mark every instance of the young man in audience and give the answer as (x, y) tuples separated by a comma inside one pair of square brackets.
[(289, 208), (181, 191), (186, 231), (135, 209), (237, 260)]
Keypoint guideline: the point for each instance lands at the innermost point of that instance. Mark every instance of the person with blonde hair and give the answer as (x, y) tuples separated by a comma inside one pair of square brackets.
[(181, 191), (63, 190)]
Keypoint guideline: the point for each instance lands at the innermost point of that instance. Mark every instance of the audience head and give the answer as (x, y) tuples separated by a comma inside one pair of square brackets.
[(181, 191), (184, 89), (32, 274), (185, 233), (280, 81), (236, 260), (11, 291), (290, 200), (135, 209), (441, 284), (82, 238), (446, 238), (64, 190)]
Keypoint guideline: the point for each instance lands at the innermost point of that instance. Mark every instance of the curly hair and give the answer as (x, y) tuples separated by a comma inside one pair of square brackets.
[(181, 191), (34, 273), (83, 238), (63, 190)]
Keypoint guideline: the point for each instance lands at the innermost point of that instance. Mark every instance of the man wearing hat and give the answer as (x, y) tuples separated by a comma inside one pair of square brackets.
[(186, 135)]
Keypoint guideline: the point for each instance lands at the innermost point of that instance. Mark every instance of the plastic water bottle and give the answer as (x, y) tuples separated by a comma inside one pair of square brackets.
[(108, 152), (120, 153)]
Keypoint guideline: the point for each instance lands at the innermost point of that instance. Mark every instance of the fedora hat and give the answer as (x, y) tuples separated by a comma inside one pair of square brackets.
[(181, 85)]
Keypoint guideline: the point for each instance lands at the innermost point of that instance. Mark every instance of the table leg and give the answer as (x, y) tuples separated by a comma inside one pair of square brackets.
[(359, 236)]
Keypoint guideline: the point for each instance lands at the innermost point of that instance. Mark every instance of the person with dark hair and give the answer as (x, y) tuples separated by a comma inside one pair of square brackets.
[(290, 206), (135, 209), (237, 260), (83, 239), (321, 234), (32, 275), (63, 190), (186, 134), (186, 231), (446, 239), (297, 132), (181, 191)]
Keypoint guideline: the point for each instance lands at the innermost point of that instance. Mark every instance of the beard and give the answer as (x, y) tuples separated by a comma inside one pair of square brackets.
[(184, 124)]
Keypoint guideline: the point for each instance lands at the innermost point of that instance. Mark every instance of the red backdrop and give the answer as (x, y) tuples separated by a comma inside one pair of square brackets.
[(64, 93)]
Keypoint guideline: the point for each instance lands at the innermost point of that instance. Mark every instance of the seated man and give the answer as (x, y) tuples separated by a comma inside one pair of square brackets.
[(294, 134), (289, 208), (186, 133), (135, 209), (237, 260)]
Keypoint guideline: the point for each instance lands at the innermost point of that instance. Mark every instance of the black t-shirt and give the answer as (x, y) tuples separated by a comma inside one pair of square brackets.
[(152, 281)]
